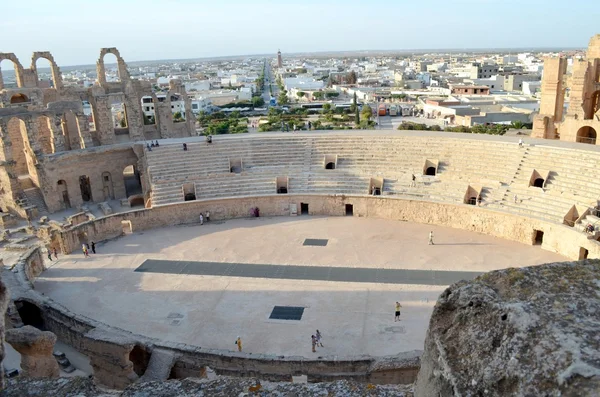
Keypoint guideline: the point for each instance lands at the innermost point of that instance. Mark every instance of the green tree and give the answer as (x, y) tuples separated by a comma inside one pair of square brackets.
[(177, 117), (123, 122), (301, 94), (282, 99), (517, 125), (326, 108), (366, 112), (318, 95), (258, 101)]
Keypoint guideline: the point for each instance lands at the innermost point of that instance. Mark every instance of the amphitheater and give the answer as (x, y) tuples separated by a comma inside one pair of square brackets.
[(341, 235)]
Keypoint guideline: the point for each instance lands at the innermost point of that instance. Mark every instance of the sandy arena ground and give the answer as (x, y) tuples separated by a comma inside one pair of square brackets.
[(211, 311)]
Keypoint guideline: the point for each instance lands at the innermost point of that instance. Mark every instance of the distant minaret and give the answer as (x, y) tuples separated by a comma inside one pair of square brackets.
[(279, 60)]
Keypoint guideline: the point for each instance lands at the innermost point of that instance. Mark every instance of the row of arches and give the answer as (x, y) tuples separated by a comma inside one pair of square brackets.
[(46, 76), (131, 181)]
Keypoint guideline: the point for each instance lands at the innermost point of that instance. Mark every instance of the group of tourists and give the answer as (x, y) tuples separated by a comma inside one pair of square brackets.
[(151, 145), (51, 252), (204, 217), (85, 247), (316, 341)]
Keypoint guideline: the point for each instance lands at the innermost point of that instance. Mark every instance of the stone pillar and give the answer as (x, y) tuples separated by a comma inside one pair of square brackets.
[(103, 119), (100, 71), (57, 134), (85, 137), (134, 113), (8, 176), (552, 101), (36, 349), (164, 115)]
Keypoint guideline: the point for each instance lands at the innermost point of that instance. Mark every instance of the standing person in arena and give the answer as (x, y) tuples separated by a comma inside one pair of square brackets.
[(201, 219), (397, 317), (314, 343), (431, 238), (319, 338), (238, 342), (93, 247), (207, 216)]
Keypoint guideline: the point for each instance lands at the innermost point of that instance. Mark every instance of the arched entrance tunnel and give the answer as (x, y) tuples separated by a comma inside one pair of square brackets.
[(30, 314)]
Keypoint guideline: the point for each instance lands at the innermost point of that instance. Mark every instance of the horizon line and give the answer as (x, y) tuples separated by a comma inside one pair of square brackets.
[(323, 52)]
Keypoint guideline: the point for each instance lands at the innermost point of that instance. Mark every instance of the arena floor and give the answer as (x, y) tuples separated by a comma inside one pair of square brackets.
[(211, 311)]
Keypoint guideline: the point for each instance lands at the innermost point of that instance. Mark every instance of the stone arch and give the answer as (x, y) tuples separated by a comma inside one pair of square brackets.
[(54, 69), (101, 69), (19, 98), (85, 187), (17, 65), (587, 134), (132, 181), (177, 102), (63, 193)]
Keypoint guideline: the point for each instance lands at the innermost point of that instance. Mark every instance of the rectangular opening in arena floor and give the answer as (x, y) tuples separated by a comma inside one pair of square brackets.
[(317, 242), (287, 313), (320, 273)]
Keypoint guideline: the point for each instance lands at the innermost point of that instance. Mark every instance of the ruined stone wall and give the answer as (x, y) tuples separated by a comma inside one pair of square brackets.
[(15, 129), (557, 238), (69, 166), (582, 113), (54, 120), (33, 264), (109, 351)]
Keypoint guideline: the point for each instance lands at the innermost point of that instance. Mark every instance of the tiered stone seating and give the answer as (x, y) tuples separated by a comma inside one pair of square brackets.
[(570, 183), (500, 168)]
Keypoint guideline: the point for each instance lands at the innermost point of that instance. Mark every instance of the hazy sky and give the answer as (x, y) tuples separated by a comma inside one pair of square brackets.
[(74, 31)]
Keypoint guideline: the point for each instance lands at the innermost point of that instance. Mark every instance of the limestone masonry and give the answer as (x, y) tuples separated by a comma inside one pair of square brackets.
[(46, 162), (526, 331), (581, 122)]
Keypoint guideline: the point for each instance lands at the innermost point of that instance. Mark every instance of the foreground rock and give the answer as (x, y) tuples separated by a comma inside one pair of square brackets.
[(36, 348), (3, 305), (519, 332), (225, 387)]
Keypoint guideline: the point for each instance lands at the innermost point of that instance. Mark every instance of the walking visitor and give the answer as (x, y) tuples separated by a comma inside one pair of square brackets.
[(319, 338)]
